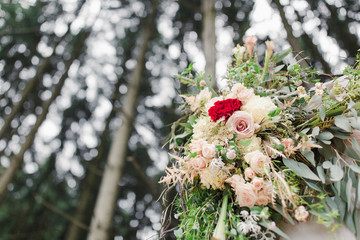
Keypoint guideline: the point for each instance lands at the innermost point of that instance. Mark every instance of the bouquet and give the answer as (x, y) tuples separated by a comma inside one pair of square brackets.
[(278, 143)]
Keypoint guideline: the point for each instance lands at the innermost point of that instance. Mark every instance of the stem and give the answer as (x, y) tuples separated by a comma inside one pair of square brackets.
[(266, 65), (219, 233)]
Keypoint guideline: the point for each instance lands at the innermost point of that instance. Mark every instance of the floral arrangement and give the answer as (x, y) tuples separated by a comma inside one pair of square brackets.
[(276, 144)]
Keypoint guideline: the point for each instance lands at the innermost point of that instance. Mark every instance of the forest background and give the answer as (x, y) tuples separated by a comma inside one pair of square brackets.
[(87, 96)]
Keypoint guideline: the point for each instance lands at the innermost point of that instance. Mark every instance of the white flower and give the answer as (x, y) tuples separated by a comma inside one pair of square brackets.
[(259, 107)]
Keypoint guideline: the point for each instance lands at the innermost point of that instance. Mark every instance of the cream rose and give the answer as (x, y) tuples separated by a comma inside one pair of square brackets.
[(208, 150), (256, 160), (259, 108), (242, 123)]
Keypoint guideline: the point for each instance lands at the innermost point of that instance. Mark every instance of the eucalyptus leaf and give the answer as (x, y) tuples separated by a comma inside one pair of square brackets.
[(358, 191), (341, 205), (326, 151), (321, 173), (315, 131), (310, 156), (355, 168), (313, 185), (349, 221), (336, 173), (300, 169), (348, 193), (325, 136), (343, 123), (355, 144), (341, 135), (352, 153), (314, 102), (327, 164), (322, 113)]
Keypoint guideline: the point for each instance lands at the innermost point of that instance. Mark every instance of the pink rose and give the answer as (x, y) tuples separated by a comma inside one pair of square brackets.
[(262, 200), (249, 173), (242, 123), (196, 145), (256, 160), (198, 162), (258, 183), (208, 150), (246, 195), (235, 180), (301, 214), (231, 154)]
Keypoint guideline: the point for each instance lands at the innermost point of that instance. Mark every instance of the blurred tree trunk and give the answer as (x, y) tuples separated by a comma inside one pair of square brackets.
[(92, 179), (101, 222), (17, 159), (294, 43), (339, 29), (313, 48), (29, 88), (209, 38)]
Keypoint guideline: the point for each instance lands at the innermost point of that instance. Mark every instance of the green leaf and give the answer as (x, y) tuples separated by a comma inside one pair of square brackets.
[(192, 119), (186, 125), (325, 136), (274, 112), (348, 193), (280, 147), (343, 123), (300, 169), (336, 173), (279, 56), (310, 156), (245, 142), (178, 233), (278, 68)]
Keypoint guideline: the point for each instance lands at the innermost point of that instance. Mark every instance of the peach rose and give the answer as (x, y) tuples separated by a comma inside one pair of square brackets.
[(262, 200), (258, 183), (242, 123), (208, 150), (198, 162), (249, 173), (241, 92), (246, 195), (256, 160)]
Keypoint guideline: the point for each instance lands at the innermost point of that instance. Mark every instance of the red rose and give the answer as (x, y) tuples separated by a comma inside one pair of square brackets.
[(224, 108)]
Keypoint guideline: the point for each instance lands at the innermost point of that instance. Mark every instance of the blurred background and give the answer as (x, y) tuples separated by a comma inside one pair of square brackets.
[(86, 84)]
